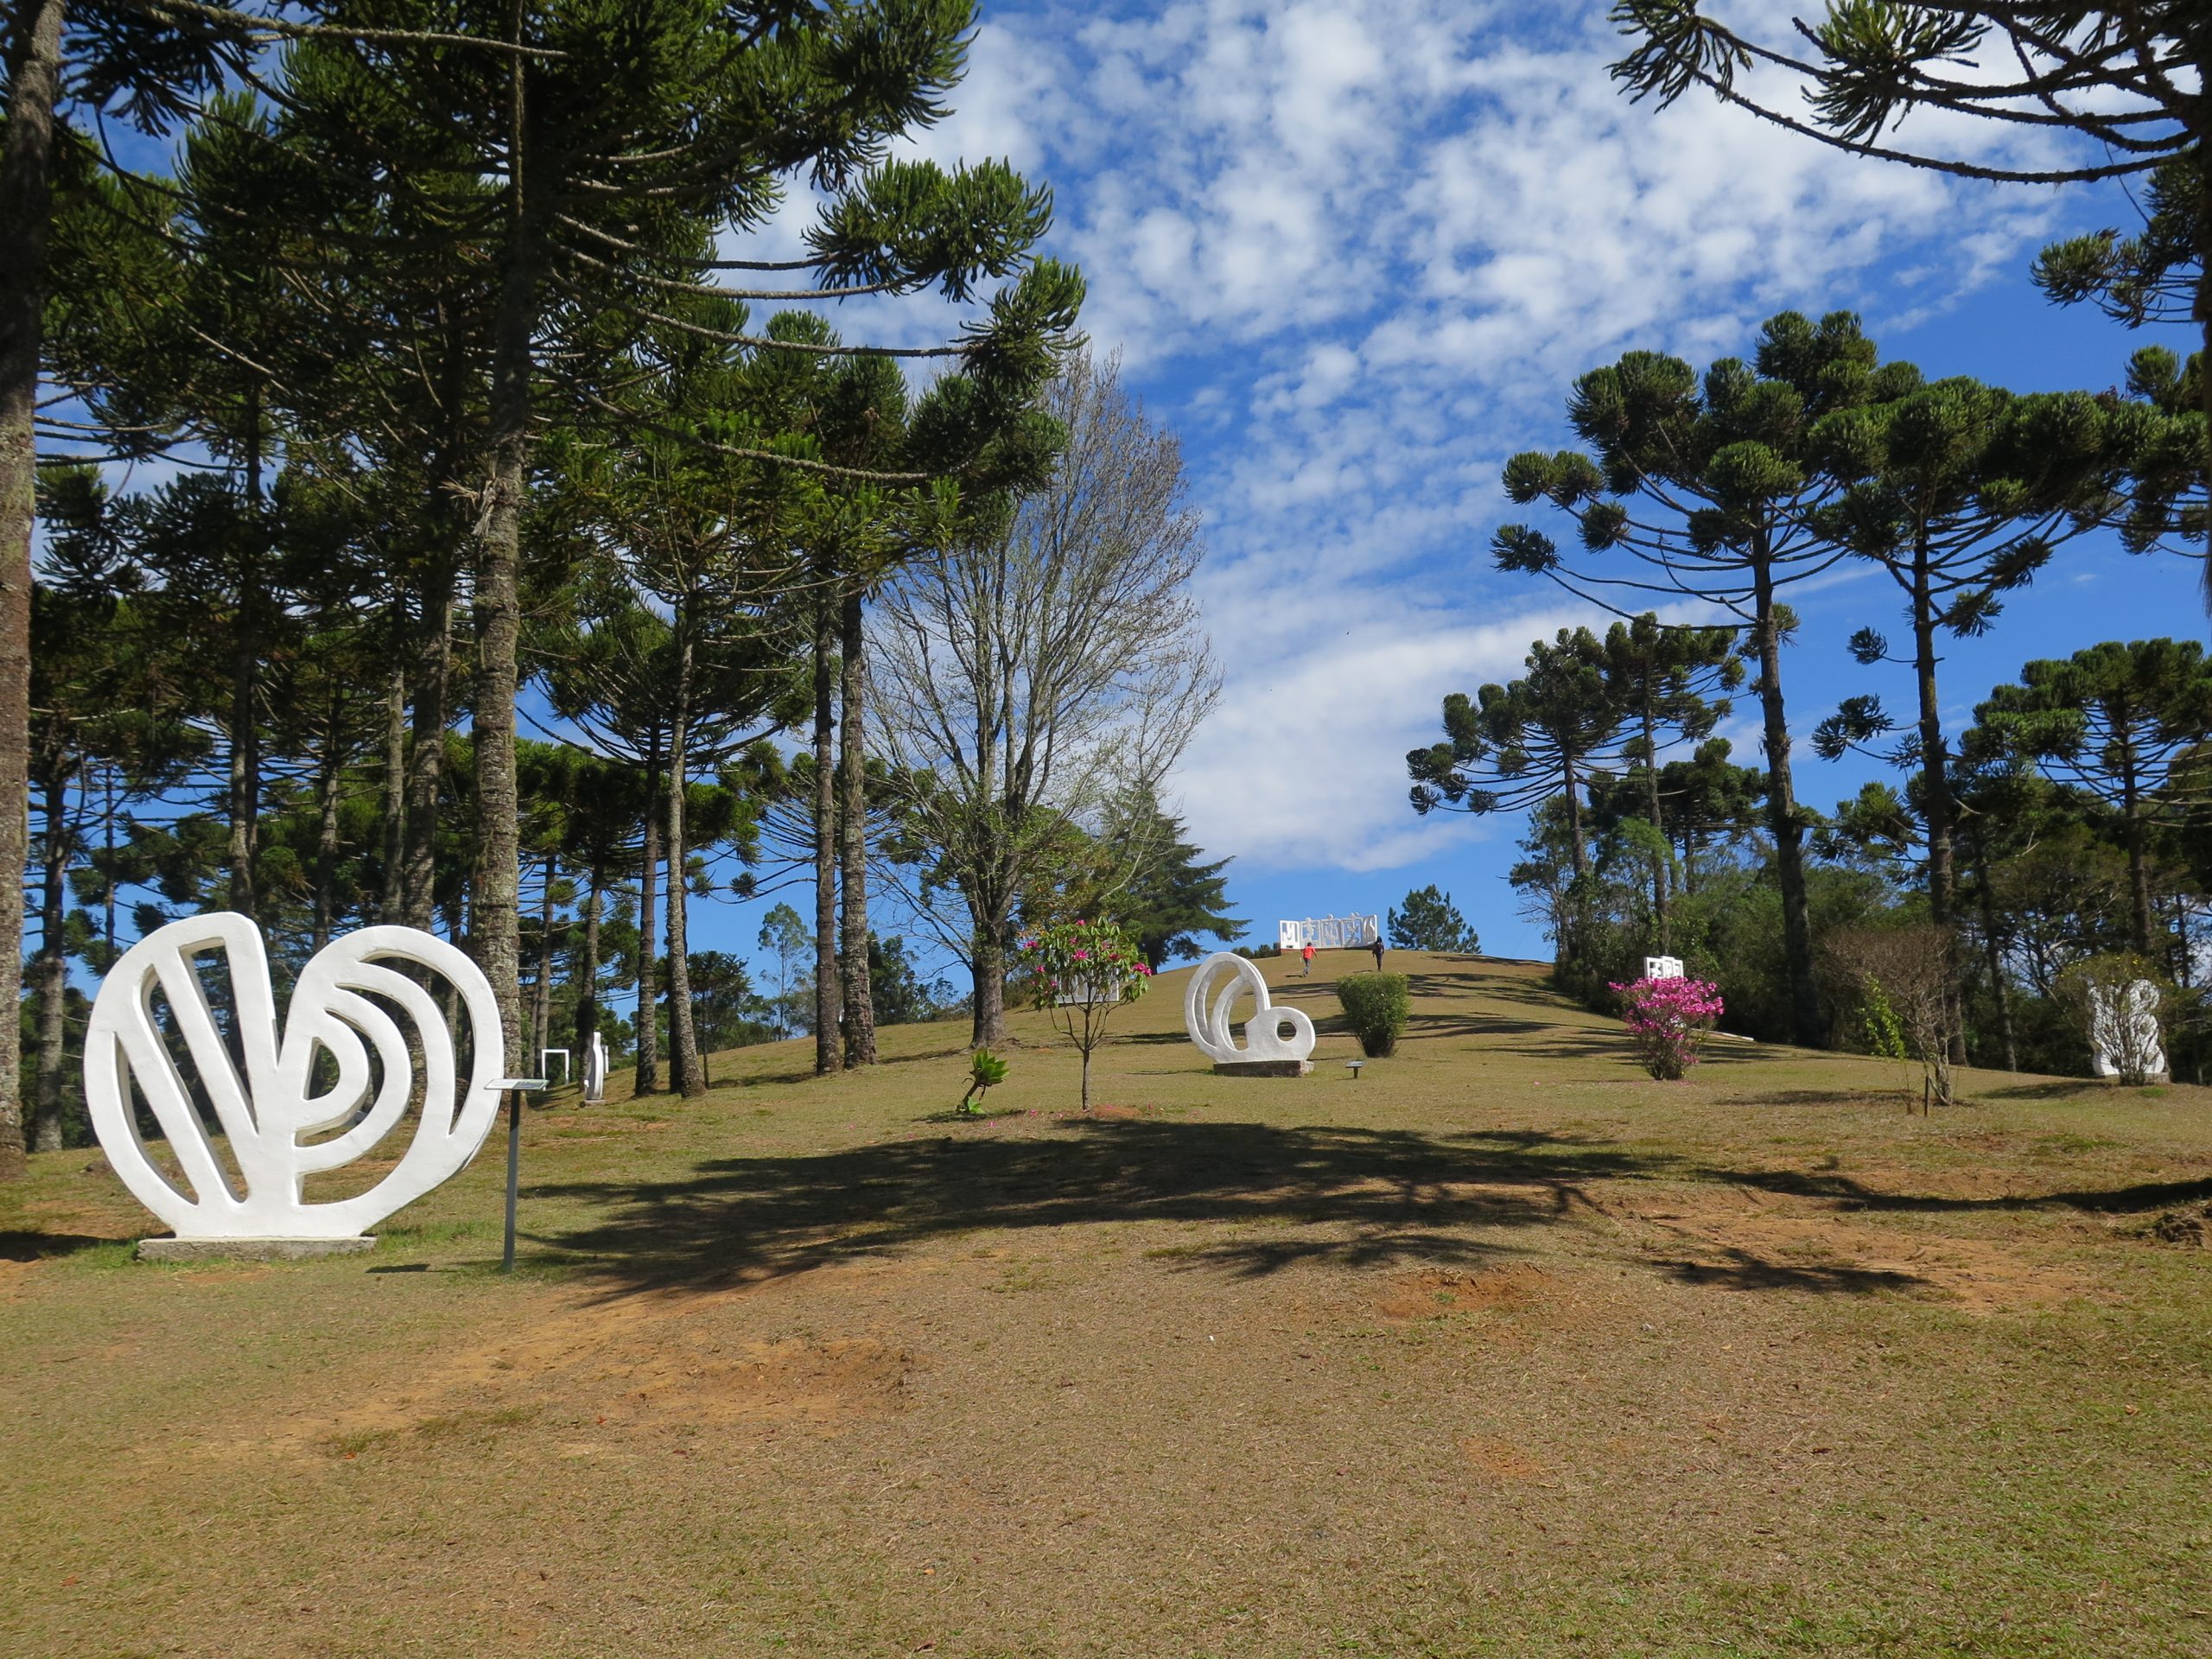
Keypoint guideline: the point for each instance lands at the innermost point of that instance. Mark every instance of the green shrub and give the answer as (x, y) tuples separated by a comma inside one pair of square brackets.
[(1879, 1026), (1374, 1008)]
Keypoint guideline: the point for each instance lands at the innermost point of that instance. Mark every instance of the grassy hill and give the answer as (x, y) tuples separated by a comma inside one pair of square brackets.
[(1500, 1347)]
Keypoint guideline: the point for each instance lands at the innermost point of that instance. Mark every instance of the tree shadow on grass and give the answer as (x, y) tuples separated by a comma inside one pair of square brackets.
[(39, 1246), (1853, 1194), (1367, 1197), (1744, 1270)]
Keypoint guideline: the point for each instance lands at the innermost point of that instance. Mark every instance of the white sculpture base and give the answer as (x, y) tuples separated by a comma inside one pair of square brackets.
[(249, 1250), (1263, 1068)]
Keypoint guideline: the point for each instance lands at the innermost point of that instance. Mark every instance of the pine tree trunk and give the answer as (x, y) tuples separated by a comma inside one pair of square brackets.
[(2201, 307), (1935, 791), (242, 802), (1578, 855), (391, 898), (495, 901), (826, 1057), (587, 977), (859, 994), (50, 973), (107, 877), (1659, 828), (427, 752), (26, 209), (330, 775), (541, 990), (1782, 809), (648, 957), (2133, 829), (1998, 986), (684, 1072)]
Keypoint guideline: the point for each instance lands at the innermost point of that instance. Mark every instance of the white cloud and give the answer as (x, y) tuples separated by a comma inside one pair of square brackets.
[(1356, 250)]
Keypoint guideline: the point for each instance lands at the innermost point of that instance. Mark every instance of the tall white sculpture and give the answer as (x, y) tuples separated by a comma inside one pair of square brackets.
[(1206, 1017), (2118, 1035), (595, 1070), (264, 1109)]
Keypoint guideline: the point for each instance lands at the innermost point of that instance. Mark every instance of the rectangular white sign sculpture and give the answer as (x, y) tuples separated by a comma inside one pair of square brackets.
[(343, 1005), (1329, 932), (1662, 967)]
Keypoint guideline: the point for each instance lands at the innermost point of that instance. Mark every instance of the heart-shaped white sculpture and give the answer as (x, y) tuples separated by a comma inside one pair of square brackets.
[(266, 1113), (1206, 1018)]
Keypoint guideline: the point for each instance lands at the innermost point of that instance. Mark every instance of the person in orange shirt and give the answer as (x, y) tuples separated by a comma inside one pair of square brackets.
[(1307, 954)]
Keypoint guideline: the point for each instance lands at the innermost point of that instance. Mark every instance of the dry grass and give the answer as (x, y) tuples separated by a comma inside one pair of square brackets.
[(1500, 1349)]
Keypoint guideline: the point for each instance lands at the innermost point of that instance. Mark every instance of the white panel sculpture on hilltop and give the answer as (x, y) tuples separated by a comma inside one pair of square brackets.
[(2113, 1044), (342, 1006), (1206, 1014), (1328, 932)]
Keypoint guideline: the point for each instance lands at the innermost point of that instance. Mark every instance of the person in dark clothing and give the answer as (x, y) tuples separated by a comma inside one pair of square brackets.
[(1377, 949)]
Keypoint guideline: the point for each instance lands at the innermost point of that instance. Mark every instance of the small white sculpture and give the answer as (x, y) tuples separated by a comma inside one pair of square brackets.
[(1662, 967), (545, 1054), (264, 1109), (595, 1070), (1206, 1018), (2110, 1042)]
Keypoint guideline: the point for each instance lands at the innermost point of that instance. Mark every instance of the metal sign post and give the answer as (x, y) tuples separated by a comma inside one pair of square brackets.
[(516, 1088)]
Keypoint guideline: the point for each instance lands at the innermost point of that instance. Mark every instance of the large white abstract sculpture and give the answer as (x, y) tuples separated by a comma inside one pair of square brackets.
[(342, 1005), (1662, 967), (595, 1070), (1206, 1016), (1328, 932), (2112, 1042)]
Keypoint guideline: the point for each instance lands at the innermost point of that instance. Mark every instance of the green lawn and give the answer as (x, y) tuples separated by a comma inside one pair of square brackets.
[(1499, 1349)]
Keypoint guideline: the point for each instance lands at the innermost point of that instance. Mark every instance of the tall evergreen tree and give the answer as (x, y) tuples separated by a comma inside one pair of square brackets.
[(1960, 492), (1666, 679), (1527, 741), (1169, 893), (1712, 487), (1430, 921), (2111, 721)]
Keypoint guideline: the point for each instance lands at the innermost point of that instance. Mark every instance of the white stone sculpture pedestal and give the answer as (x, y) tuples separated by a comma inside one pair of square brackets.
[(249, 1250), (1263, 1068)]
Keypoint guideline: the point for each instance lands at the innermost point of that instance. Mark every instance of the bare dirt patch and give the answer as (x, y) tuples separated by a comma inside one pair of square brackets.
[(1500, 1460), (1434, 1292)]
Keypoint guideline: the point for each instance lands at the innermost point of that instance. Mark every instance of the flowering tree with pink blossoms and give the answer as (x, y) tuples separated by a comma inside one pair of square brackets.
[(1082, 971), (1667, 1019)]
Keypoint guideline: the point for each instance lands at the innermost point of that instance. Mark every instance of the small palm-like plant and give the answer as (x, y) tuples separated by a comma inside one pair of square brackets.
[(985, 1072)]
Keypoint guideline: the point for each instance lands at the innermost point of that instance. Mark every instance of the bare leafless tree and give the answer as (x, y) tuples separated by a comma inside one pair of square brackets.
[(1022, 683), (1909, 969)]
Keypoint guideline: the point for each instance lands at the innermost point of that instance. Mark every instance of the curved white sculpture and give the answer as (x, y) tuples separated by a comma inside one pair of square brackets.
[(265, 1112), (595, 1070), (1205, 1016)]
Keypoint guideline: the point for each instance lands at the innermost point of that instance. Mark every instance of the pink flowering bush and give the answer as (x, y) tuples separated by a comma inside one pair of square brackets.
[(1667, 1021), (1081, 972)]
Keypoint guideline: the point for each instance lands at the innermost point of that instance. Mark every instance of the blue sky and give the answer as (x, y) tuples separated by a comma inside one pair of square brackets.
[(1353, 253)]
